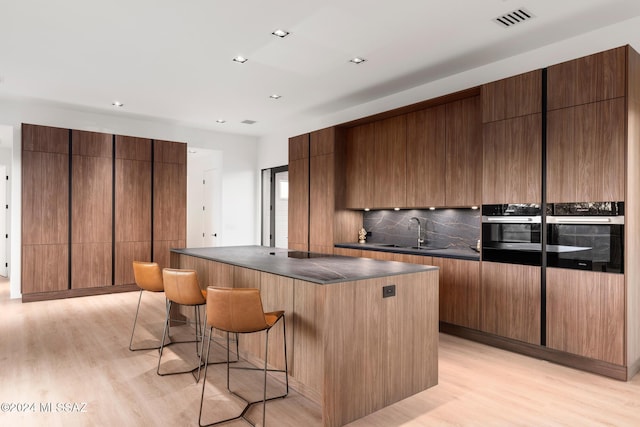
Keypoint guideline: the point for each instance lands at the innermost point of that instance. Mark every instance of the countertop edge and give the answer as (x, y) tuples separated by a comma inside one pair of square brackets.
[(399, 250)]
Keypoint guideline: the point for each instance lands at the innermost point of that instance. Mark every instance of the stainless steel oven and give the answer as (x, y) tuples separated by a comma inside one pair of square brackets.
[(511, 233), (586, 236)]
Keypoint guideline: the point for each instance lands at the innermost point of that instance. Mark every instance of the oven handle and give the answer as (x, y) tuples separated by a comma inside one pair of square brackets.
[(513, 219), (585, 219)]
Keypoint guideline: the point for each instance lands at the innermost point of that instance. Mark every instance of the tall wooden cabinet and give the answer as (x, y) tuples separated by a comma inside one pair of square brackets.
[(359, 146), (87, 209), (298, 237), (390, 148)]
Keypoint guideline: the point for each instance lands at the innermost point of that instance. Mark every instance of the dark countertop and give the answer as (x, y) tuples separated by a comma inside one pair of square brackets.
[(470, 254), (308, 266)]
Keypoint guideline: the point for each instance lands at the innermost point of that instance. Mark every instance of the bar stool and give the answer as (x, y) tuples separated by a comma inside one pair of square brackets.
[(148, 277), (239, 310), (182, 287)]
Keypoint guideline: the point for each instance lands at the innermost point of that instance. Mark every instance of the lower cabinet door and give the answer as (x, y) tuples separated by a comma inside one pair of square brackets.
[(585, 314), (459, 292)]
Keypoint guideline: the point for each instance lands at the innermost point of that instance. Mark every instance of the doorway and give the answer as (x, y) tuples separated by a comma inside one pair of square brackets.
[(275, 207)]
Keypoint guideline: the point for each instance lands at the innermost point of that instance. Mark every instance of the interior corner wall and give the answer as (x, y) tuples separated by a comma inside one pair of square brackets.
[(239, 210)]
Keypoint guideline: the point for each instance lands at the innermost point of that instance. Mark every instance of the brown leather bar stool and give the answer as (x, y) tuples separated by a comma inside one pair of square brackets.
[(148, 277), (182, 287), (239, 310)]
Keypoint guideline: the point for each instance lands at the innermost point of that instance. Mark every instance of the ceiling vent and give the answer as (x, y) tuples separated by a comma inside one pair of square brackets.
[(248, 122), (512, 18)]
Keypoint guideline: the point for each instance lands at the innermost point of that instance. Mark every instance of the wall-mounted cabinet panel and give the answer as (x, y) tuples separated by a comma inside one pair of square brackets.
[(515, 96), (510, 302), (132, 206), (390, 153), (169, 199), (426, 151), (322, 203), (589, 79), (512, 151), (298, 226), (464, 153), (586, 314), (459, 292), (585, 152), (45, 209), (91, 209), (360, 166)]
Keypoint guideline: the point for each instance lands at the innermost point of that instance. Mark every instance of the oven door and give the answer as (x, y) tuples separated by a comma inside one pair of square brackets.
[(586, 243), (511, 239)]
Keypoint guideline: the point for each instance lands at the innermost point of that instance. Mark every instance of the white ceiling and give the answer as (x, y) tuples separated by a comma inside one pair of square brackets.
[(172, 60)]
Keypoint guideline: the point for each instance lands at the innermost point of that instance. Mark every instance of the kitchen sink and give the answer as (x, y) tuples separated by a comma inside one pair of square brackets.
[(426, 248)]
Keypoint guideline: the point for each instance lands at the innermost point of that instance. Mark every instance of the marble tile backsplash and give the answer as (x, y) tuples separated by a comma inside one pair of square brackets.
[(442, 228)]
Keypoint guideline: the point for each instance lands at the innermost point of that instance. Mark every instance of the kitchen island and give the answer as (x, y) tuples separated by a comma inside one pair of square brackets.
[(361, 333)]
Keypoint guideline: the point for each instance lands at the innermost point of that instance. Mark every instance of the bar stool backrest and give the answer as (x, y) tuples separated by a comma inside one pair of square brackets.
[(235, 310), (148, 276), (182, 287)]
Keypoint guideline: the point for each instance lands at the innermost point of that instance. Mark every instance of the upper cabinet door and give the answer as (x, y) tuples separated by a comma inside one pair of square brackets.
[(464, 153), (585, 152), (390, 163), (512, 151), (589, 79), (426, 150), (359, 166), (512, 97)]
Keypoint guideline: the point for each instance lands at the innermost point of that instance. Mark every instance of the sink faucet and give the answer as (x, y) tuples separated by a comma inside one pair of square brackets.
[(420, 239)]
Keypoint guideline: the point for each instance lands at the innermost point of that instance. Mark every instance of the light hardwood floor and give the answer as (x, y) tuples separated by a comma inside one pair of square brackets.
[(76, 351)]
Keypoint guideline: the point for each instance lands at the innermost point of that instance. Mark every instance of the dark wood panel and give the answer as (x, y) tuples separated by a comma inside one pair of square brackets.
[(299, 204), (510, 301), (512, 151), (299, 147), (45, 198), (133, 201), (359, 166), (126, 253), (132, 148), (91, 265), (169, 201), (277, 294), (91, 144), (170, 152), (322, 142), (585, 152), (162, 251), (45, 268), (512, 97), (425, 158), (585, 314), (459, 297), (45, 138), (322, 203), (464, 153), (588, 79), (389, 176), (92, 198)]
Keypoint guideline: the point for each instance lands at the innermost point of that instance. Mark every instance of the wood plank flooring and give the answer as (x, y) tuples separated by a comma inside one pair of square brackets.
[(76, 351)]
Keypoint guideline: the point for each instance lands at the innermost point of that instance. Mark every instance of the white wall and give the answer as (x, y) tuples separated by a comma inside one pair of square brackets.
[(239, 210), (5, 159)]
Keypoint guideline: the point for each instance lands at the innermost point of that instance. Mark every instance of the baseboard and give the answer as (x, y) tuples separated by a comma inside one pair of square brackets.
[(73, 293)]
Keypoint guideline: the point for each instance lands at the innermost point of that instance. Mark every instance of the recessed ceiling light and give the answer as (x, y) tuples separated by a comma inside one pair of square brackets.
[(117, 104), (357, 60), (221, 121), (240, 59), (281, 33), (275, 96)]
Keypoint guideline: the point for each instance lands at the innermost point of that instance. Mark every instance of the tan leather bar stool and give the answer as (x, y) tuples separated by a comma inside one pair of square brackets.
[(182, 287), (239, 310), (148, 277)]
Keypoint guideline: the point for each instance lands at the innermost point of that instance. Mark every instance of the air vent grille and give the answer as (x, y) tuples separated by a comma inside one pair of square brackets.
[(512, 18), (248, 122)]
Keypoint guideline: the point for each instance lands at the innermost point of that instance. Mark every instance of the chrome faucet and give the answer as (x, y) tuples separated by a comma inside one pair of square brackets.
[(420, 239)]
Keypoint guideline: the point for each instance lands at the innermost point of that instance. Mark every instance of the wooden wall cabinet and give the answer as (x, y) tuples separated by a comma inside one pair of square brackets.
[(459, 295), (510, 302), (425, 159), (91, 213), (45, 209), (298, 225), (360, 166), (389, 177), (592, 78), (512, 160), (586, 152), (586, 314), (463, 173), (322, 201), (515, 96)]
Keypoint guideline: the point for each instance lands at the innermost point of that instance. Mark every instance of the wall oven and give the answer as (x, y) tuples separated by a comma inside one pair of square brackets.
[(586, 236), (511, 233)]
